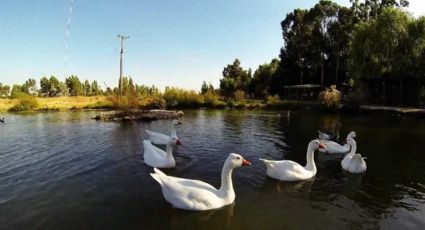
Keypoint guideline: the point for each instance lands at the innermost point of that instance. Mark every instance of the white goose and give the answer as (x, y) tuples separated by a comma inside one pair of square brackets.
[(286, 170), (163, 139), (197, 195), (334, 147), (156, 157), (353, 162)]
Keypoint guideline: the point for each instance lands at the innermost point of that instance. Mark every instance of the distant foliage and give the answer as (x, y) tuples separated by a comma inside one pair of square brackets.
[(74, 85), (25, 103), (273, 100), (183, 98), (331, 98), (212, 99), (17, 92), (235, 78), (4, 90), (239, 95)]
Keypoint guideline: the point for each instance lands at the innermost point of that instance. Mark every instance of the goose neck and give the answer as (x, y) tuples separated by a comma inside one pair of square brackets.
[(226, 181), (353, 148), (169, 150), (173, 131), (311, 165)]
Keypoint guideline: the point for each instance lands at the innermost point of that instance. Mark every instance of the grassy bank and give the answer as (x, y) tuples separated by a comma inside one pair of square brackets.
[(102, 102), (60, 103)]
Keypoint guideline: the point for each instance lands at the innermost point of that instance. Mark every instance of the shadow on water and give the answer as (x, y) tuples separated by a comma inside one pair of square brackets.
[(65, 171)]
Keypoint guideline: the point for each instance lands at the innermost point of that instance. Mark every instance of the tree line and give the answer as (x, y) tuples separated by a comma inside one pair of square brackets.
[(72, 86), (52, 87), (330, 44)]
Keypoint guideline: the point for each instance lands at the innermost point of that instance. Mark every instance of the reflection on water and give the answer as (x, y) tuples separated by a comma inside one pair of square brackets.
[(65, 171)]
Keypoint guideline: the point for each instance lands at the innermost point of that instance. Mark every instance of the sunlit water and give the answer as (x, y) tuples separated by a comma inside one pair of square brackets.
[(65, 171)]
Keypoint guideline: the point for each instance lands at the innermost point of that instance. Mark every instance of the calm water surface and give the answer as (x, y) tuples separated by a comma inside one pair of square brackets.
[(65, 171)]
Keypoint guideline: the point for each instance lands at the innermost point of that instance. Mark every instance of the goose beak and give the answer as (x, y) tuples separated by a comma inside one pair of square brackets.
[(178, 142), (322, 146), (245, 162)]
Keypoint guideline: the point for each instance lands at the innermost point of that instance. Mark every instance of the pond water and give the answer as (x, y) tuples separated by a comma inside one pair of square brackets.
[(65, 171)]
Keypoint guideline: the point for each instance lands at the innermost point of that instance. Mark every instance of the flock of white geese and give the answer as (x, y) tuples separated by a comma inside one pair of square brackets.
[(197, 195)]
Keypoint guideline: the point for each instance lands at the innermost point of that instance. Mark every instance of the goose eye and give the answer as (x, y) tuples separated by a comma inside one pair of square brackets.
[(238, 158)]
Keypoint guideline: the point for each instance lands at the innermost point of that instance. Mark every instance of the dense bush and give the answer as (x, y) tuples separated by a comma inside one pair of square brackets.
[(25, 103), (272, 100), (212, 99), (239, 95), (331, 98), (176, 97)]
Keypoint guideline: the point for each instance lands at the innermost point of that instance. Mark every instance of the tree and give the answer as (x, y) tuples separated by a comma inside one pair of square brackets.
[(17, 91), (30, 87), (74, 85), (4, 90), (95, 89), (87, 88), (63, 89), (370, 9), (44, 86), (235, 78), (263, 76), (54, 87), (204, 87)]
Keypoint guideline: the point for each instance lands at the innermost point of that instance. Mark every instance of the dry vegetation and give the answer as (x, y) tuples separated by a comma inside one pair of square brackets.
[(61, 103)]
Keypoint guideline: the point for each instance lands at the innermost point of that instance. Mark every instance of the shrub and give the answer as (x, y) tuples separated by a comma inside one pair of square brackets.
[(212, 99), (239, 95), (331, 98), (25, 103), (176, 97), (272, 100)]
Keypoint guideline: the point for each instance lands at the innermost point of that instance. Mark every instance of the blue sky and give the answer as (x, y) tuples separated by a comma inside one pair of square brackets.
[(175, 43)]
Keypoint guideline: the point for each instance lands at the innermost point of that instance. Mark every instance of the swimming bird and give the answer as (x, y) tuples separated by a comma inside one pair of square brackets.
[(334, 147), (2, 120), (163, 139), (196, 195), (156, 157), (353, 162), (286, 170)]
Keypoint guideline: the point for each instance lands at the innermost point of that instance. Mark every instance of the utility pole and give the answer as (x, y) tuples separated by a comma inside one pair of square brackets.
[(122, 37)]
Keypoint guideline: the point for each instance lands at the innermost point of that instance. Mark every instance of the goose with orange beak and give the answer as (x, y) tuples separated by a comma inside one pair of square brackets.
[(196, 195), (287, 170)]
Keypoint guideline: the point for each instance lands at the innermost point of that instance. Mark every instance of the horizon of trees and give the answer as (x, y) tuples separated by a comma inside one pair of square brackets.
[(371, 42), (374, 45)]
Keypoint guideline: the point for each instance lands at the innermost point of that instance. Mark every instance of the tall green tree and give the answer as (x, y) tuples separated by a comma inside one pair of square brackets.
[(235, 78), (55, 89), (96, 90), (44, 86), (261, 83), (369, 9), (74, 85), (87, 88)]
